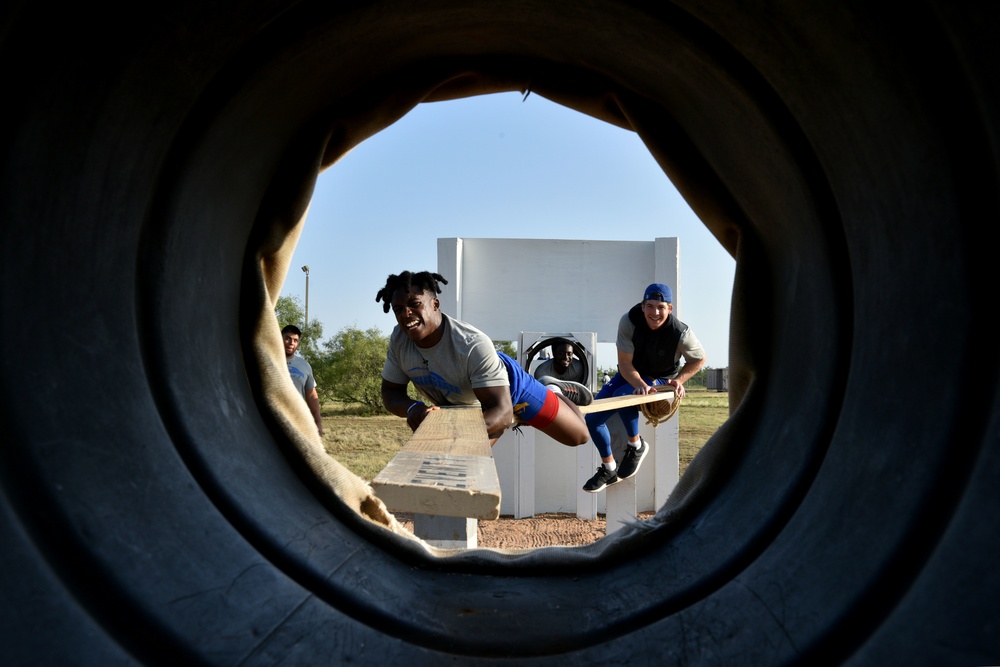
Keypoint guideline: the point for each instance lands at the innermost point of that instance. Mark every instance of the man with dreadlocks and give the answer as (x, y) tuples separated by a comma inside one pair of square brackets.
[(453, 363)]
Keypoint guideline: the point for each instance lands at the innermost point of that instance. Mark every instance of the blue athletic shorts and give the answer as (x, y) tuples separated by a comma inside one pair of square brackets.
[(534, 405)]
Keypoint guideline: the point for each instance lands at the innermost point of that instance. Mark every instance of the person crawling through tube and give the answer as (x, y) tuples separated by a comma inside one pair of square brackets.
[(565, 374)]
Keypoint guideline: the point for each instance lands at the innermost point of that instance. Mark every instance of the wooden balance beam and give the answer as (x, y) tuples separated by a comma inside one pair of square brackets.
[(445, 476), (615, 402)]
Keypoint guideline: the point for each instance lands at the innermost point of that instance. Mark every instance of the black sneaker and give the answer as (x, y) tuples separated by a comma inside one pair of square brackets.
[(601, 480), (632, 459), (574, 391)]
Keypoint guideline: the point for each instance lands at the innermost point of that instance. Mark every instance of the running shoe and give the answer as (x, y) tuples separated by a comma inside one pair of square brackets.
[(574, 391), (632, 459), (603, 479)]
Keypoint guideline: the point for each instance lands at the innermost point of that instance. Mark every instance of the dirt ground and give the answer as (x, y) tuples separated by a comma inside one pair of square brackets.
[(541, 530)]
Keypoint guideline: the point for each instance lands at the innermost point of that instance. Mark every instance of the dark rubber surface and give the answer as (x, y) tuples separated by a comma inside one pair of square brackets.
[(149, 515)]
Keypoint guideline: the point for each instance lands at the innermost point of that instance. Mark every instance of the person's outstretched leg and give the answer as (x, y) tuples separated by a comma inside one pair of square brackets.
[(534, 405), (637, 448), (568, 427), (599, 433)]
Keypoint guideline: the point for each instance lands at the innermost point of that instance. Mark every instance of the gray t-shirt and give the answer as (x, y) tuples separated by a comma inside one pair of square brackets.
[(574, 372), (464, 359), (688, 346), (302, 374)]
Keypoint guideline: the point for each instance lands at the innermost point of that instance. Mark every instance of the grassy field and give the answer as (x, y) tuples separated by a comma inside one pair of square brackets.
[(365, 444), (701, 413)]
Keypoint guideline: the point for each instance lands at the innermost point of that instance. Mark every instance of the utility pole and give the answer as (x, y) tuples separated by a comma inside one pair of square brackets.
[(305, 269)]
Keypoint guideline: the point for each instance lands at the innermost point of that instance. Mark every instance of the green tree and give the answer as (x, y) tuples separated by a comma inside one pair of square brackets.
[(699, 379), (350, 367), (289, 310), (507, 347)]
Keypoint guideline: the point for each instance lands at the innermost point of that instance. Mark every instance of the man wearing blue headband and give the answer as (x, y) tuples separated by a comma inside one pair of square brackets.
[(651, 343)]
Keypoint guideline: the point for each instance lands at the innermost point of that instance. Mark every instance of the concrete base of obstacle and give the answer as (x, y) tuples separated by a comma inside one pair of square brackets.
[(447, 532)]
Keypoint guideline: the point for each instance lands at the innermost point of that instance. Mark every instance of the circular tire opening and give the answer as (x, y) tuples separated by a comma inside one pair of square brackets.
[(153, 512)]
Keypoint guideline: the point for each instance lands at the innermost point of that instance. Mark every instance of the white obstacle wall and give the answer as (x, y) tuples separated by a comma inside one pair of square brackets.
[(505, 286), (508, 286)]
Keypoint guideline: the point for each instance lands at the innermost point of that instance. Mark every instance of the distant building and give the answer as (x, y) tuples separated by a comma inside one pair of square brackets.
[(717, 379)]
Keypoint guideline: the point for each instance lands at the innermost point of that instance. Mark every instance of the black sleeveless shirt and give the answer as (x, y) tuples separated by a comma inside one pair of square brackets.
[(655, 349)]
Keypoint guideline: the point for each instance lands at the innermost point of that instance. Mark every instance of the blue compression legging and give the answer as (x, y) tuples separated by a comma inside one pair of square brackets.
[(597, 421)]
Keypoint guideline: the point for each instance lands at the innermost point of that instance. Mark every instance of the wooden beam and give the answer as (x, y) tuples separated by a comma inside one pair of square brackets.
[(615, 402), (445, 469)]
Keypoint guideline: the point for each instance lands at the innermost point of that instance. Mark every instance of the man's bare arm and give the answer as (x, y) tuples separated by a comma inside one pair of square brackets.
[(312, 400), (396, 401), (498, 412)]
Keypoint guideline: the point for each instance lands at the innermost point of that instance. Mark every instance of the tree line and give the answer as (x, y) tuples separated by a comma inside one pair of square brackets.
[(348, 366)]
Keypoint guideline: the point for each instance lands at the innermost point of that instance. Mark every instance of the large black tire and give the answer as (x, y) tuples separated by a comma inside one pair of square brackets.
[(149, 515)]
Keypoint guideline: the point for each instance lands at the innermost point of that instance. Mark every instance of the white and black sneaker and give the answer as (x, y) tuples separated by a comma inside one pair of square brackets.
[(603, 479), (574, 391), (632, 459)]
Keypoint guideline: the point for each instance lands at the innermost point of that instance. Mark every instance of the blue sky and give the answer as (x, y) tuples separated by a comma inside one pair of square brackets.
[(495, 166)]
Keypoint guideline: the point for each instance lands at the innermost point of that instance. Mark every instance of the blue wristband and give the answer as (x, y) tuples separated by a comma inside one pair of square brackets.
[(411, 407)]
